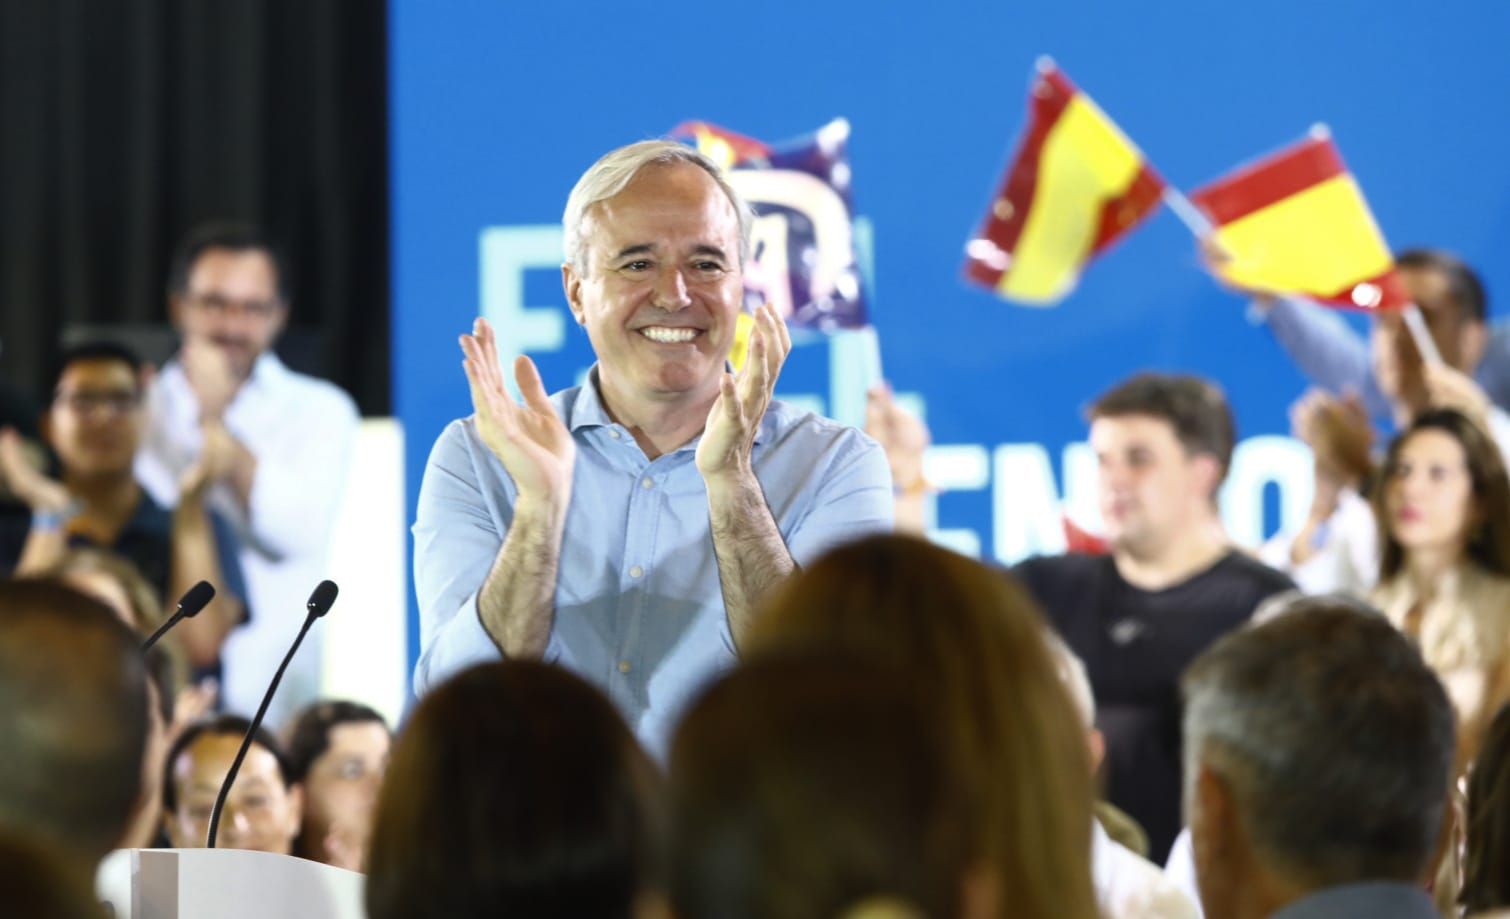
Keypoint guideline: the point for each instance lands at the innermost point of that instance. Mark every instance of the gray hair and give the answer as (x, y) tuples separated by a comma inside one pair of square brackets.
[(613, 172), (1334, 737)]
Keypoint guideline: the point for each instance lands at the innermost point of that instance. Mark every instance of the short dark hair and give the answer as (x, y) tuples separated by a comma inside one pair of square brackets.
[(309, 737), (804, 785), (1486, 871), (1335, 738), (1194, 407), (219, 726), (1463, 282), (515, 789), (92, 351), (73, 718), (231, 235), (1488, 544)]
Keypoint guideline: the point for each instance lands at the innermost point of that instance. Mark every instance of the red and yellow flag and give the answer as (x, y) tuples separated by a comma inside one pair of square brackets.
[(1076, 185), (1296, 223)]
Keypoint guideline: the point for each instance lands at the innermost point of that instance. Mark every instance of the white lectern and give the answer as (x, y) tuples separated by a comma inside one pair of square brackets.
[(236, 884)]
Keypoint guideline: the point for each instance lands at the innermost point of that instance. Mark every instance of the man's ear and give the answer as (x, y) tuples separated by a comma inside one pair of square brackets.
[(176, 307), (1097, 742), (1206, 474), (571, 283), (1473, 341)]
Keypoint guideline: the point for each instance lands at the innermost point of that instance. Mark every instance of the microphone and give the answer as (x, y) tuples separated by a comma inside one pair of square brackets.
[(318, 605), (189, 606)]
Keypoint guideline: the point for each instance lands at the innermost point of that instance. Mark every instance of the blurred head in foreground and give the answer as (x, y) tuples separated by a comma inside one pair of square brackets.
[(810, 787), (73, 720), (969, 642), (1319, 753), (515, 789)]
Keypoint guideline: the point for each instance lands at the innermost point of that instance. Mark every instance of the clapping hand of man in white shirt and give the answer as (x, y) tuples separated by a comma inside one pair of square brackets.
[(210, 376)]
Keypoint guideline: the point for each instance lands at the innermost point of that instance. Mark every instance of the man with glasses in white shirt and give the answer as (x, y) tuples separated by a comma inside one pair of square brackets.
[(278, 444)]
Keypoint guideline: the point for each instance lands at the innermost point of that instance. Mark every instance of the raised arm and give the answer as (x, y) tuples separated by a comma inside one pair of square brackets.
[(516, 603), (752, 558)]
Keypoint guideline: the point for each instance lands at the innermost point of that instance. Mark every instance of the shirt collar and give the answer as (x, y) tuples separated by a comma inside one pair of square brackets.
[(588, 411), (1384, 899)]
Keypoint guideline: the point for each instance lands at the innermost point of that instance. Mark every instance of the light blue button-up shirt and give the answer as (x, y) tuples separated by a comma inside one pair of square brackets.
[(639, 610)]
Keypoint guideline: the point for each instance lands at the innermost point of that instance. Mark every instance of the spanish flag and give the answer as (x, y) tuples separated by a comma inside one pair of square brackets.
[(1296, 223), (1076, 185)]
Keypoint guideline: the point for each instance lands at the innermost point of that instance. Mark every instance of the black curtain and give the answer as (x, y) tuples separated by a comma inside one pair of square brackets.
[(126, 122)]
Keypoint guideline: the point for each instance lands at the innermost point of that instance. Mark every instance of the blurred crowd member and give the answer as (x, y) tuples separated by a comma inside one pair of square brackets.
[(1444, 576), (1387, 371), (35, 883), (261, 812), (73, 721), (628, 527), (337, 752), (117, 583), (515, 789), (275, 446), (1320, 754), (804, 786), (1337, 546), (1486, 874), (1128, 886), (94, 425), (1171, 585), (970, 644), (905, 439)]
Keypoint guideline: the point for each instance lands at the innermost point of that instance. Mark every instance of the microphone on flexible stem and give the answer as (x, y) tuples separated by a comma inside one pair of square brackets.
[(189, 606), (319, 604)]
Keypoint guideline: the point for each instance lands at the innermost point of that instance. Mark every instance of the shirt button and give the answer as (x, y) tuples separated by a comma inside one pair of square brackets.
[(623, 666), (614, 434), (647, 482), (636, 571)]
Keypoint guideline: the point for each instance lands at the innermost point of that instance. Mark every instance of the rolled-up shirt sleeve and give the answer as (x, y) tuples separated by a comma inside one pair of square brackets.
[(456, 539), (855, 499)]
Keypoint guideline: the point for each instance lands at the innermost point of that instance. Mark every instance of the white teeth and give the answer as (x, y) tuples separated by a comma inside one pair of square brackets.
[(668, 336)]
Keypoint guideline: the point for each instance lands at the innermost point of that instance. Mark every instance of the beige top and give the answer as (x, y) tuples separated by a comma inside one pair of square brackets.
[(1464, 634)]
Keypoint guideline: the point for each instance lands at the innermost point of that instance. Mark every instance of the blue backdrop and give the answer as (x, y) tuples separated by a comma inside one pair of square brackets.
[(497, 107)]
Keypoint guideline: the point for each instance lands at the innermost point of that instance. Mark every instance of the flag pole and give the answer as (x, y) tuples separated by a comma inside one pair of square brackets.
[(1190, 215), (1421, 335)]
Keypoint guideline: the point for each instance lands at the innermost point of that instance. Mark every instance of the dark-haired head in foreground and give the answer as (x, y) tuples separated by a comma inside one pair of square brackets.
[(803, 787), (1319, 754), (970, 643), (73, 720), (261, 812), (337, 752), (515, 790)]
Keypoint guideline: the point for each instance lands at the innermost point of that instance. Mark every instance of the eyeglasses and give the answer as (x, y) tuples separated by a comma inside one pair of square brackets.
[(217, 305), (86, 402)]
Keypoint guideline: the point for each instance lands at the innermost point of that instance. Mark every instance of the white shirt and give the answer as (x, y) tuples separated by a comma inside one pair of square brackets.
[(301, 431), (1179, 868), (1129, 886), (1346, 556)]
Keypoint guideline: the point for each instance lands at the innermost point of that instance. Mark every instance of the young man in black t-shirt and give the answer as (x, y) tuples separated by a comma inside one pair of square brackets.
[(1171, 585)]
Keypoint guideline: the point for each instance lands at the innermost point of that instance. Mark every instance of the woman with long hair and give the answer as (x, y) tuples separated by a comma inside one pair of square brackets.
[(970, 643), (1443, 508), (516, 790)]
